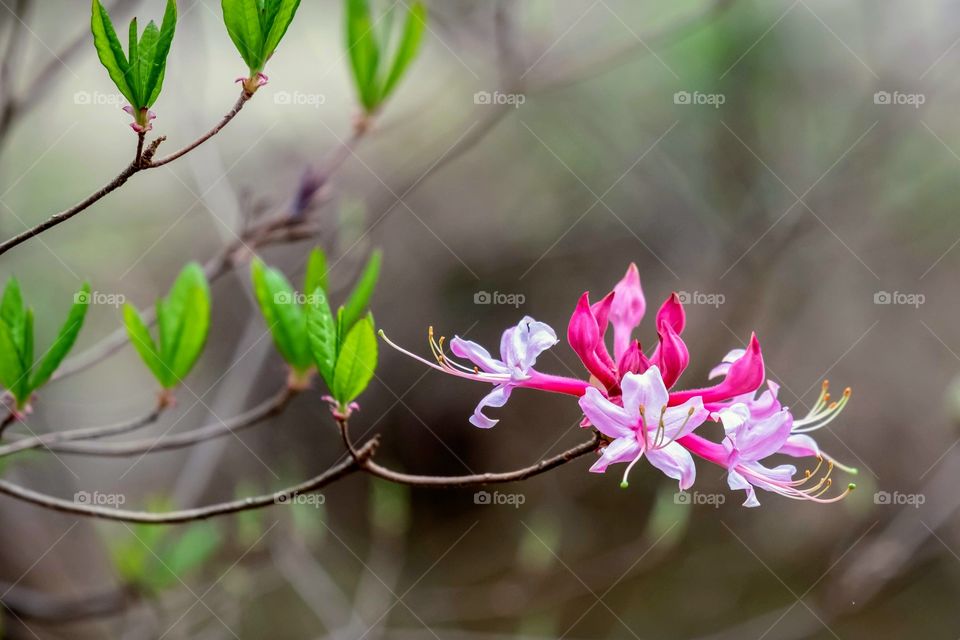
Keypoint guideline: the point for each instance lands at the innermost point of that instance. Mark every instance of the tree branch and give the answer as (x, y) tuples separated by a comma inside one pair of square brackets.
[(477, 479), (142, 162), (249, 418), (47, 440), (332, 474)]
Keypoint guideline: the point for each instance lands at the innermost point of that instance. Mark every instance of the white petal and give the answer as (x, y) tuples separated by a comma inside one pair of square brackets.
[(647, 390), (737, 482), (609, 419), (496, 398), (676, 462), (620, 450), (521, 345), (476, 354)]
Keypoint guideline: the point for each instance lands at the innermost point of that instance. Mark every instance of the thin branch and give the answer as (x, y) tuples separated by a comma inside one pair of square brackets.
[(24, 602), (142, 162), (267, 409), (242, 100), (477, 479), (48, 440), (284, 496)]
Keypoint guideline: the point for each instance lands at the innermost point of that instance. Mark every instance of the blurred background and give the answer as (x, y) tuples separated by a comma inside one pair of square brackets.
[(789, 167)]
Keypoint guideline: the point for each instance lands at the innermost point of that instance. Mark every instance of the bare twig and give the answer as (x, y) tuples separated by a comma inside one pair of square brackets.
[(242, 100), (48, 440), (142, 162), (250, 418), (283, 496), (451, 482)]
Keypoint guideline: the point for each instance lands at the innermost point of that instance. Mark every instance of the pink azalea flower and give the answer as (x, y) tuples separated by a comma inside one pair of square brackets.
[(644, 425), (630, 398), (519, 348)]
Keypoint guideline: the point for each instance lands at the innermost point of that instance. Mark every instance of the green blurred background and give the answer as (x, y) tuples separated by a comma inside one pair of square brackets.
[(796, 203)]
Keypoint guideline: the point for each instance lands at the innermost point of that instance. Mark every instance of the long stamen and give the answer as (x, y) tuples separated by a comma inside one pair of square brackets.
[(643, 426), (444, 364), (661, 430), (623, 483), (822, 414)]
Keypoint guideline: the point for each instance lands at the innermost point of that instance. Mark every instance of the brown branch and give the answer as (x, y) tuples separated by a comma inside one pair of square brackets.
[(242, 100), (24, 602), (283, 496), (477, 479), (269, 408), (142, 162), (48, 440)]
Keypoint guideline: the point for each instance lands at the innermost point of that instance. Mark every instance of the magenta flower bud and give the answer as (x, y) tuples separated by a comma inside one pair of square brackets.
[(601, 311), (745, 375), (627, 309), (583, 333), (633, 360), (672, 312), (672, 356)]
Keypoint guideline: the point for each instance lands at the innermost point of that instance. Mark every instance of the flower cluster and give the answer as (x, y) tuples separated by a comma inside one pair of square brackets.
[(631, 397)]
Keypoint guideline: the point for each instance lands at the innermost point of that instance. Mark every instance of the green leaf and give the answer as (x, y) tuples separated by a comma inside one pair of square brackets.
[(142, 341), (322, 335), (235, 19), (356, 362), (407, 49), (359, 299), (158, 62), (12, 313), (316, 275), (283, 315), (11, 367), (184, 321), (110, 51), (133, 53), (242, 18), (26, 357), (65, 340), (143, 63), (282, 15), (364, 51)]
